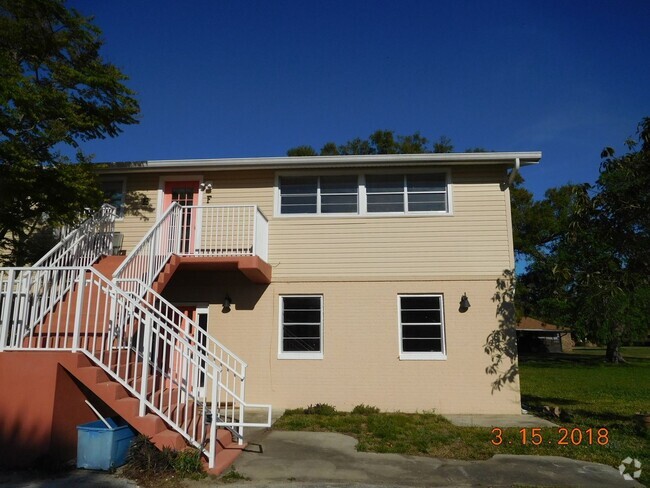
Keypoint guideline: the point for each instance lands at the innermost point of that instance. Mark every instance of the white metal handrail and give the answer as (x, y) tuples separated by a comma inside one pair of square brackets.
[(85, 244), (134, 345), (149, 257), (233, 369), (81, 247)]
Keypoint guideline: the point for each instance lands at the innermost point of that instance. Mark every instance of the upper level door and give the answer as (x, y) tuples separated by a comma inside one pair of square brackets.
[(186, 193)]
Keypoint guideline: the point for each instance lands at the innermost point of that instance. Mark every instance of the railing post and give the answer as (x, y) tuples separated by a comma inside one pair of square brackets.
[(6, 316), (78, 309), (152, 258), (254, 246), (214, 409), (146, 352), (242, 399)]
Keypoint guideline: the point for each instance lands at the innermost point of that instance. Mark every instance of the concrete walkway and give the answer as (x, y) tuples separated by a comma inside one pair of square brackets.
[(524, 420), (328, 459), (78, 478)]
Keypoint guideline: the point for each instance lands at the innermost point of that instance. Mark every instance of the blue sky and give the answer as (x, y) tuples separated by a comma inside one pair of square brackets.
[(254, 78)]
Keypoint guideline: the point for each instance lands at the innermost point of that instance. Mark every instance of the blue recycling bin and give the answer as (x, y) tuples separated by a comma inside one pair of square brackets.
[(99, 447)]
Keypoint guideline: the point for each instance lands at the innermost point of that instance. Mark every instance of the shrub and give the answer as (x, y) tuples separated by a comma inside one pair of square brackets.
[(144, 456), (362, 409), (320, 409), (294, 411), (187, 464), (146, 462)]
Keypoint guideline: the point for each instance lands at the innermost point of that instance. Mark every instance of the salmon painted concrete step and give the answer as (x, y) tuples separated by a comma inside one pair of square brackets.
[(108, 264), (118, 398)]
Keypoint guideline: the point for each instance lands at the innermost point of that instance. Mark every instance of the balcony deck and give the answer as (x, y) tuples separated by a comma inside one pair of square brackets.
[(253, 267)]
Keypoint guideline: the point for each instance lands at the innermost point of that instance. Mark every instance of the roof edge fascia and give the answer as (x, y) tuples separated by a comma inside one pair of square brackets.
[(305, 162)]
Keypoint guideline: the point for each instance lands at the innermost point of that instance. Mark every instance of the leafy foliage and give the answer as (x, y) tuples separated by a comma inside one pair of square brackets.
[(363, 409), (379, 142), (148, 464), (588, 244), (501, 344), (55, 90), (233, 476), (320, 409)]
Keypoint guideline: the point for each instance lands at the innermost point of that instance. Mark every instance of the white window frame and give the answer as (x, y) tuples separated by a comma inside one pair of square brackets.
[(422, 356), (318, 212), (123, 181), (302, 354), (362, 199)]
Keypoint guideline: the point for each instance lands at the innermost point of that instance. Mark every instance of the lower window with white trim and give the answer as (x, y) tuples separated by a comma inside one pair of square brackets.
[(301, 327), (421, 327)]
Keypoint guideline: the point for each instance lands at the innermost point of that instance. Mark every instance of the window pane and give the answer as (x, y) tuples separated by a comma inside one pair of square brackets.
[(298, 209), (427, 202), (385, 202), (420, 316), (298, 204), (301, 316), (436, 182), (338, 203), (410, 331), (420, 302), (298, 185), (422, 345), (303, 303), (301, 345), (339, 184), (384, 183), (302, 330)]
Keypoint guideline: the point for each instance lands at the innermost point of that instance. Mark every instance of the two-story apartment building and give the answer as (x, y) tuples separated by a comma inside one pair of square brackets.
[(340, 280)]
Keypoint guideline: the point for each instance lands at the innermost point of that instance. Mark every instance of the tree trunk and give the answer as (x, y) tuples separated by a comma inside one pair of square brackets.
[(613, 354)]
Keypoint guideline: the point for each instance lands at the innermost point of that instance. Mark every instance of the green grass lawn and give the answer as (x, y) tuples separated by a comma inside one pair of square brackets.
[(593, 396)]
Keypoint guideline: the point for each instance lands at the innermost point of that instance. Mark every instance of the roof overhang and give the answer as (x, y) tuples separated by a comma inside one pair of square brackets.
[(305, 162)]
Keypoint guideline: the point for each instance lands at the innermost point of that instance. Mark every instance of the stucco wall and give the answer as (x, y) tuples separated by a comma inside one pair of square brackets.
[(361, 349)]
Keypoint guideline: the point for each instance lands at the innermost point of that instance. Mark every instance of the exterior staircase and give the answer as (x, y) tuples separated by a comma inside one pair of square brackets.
[(131, 348)]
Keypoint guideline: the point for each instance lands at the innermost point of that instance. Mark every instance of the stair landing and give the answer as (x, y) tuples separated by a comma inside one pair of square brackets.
[(108, 264)]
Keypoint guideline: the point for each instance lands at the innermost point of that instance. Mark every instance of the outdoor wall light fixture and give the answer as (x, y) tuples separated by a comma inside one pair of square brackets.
[(464, 303), (206, 187), (227, 302)]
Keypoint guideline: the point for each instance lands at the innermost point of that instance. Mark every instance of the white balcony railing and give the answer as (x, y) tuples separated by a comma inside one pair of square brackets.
[(201, 231), (224, 230)]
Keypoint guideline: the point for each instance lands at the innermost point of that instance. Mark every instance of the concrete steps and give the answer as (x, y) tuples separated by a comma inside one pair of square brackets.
[(125, 363), (166, 274)]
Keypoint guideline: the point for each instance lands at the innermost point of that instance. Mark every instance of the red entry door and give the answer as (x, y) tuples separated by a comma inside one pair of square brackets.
[(186, 193)]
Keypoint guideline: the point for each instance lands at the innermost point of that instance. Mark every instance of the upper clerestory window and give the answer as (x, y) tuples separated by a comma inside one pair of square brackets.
[(375, 193)]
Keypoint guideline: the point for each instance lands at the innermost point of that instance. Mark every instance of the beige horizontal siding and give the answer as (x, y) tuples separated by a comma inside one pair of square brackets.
[(474, 241)]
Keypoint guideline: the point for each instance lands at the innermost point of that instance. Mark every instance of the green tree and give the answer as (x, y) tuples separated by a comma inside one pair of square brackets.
[(593, 274), (443, 145), (55, 91), (302, 151), (379, 142)]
